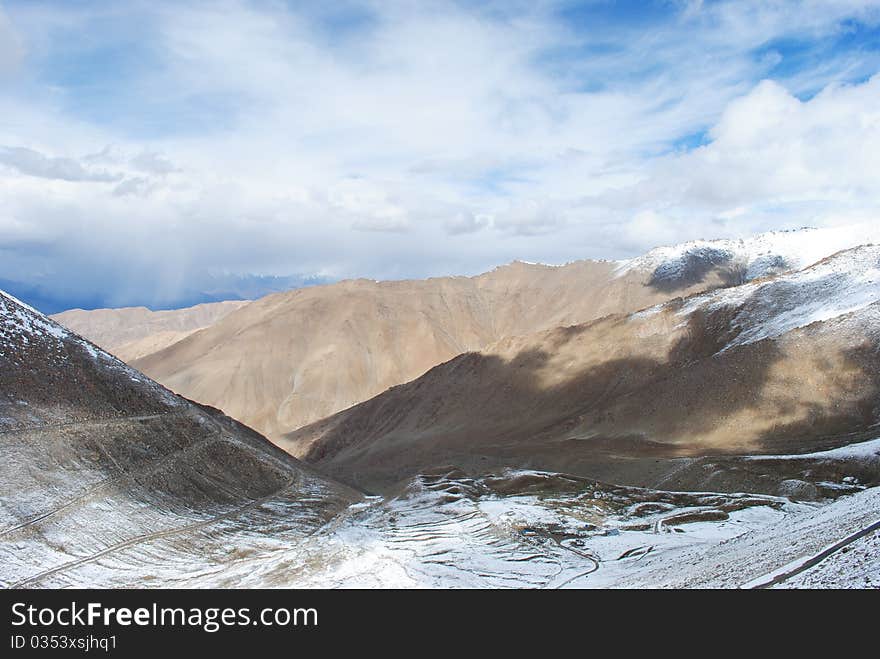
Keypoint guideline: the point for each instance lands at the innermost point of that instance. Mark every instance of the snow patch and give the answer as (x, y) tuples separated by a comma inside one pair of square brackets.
[(21, 323), (869, 449), (839, 285), (759, 256)]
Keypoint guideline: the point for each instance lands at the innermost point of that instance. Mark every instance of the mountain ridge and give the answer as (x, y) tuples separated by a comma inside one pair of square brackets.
[(705, 373), (292, 358)]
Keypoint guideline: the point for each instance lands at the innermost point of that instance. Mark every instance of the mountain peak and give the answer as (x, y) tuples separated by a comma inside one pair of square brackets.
[(752, 257)]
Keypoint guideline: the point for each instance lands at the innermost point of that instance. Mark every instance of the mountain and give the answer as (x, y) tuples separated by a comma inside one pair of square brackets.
[(750, 258), (109, 478), (289, 359), (787, 363), (293, 358), (132, 332)]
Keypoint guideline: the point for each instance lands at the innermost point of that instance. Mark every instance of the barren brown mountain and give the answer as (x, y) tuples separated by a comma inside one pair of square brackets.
[(783, 364), (292, 358), (133, 332)]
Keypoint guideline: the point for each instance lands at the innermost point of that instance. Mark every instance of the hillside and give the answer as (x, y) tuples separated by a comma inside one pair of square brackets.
[(293, 358), (788, 363), (107, 477)]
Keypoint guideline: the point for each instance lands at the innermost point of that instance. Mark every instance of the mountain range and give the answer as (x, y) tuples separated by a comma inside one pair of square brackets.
[(788, 363), (707, 414), (290, 359)]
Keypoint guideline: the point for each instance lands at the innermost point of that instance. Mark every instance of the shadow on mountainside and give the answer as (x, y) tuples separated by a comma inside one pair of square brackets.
[(480, 410), (829, 426), (696, 267)]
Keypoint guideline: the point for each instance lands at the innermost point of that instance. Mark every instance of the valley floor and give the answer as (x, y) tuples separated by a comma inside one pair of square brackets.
[(534, 530), (511, 529), (554, 542)]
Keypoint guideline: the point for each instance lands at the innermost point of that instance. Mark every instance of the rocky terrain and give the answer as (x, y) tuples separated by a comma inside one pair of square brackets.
[(787, 363), (104, 469)]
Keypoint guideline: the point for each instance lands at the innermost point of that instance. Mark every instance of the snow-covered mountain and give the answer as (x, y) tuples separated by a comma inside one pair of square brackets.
[(846, 283), (751, 258)]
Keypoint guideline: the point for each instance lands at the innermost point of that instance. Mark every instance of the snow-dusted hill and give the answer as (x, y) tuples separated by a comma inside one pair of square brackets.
[(845, 283), (750, 258), (103, 468)]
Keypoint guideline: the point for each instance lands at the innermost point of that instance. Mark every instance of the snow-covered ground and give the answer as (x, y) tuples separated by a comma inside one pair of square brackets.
[(869, 450), (454, 533), (577, 541), (854, 566), (458, 532), (580, 539)]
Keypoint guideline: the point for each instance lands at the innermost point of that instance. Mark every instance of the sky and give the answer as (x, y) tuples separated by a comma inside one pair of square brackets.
[(166, 153)]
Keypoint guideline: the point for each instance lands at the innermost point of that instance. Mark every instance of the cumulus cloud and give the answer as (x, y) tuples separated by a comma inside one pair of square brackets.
[(152, 163), (270, 138), (529, 218), (135, 185), (33, 163), (394, 221), (770, 149), (465, 222)]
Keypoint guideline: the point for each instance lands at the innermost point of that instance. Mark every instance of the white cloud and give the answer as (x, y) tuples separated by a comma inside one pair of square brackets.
[(771, 149), (11, 46), (465, 222), (152, 163), (529, 217), (32, 163), (244, 138)]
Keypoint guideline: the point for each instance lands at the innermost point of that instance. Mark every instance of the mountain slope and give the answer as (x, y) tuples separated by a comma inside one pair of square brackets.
[(109, 480), (788, 363), (293, 358), (133, 332), (104, 470)]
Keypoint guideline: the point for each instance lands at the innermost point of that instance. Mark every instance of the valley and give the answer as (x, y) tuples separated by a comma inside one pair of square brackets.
[(721, 432)]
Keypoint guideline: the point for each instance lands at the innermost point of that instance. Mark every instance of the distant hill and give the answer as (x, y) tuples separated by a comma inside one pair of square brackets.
[(132, 332)]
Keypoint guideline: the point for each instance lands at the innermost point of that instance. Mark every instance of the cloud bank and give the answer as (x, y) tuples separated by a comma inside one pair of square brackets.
[(147, 150)]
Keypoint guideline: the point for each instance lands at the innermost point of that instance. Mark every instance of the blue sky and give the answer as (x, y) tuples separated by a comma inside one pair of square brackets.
[(149, 150)]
